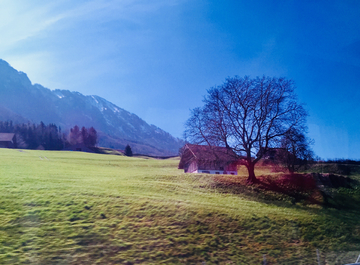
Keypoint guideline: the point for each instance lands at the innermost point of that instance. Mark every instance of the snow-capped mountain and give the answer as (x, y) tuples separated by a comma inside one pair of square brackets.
[(22, 101)]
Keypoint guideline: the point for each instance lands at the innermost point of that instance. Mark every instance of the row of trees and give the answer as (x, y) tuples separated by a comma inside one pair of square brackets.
[(251, 117), (48, 137), (33, 136), (85, 136)]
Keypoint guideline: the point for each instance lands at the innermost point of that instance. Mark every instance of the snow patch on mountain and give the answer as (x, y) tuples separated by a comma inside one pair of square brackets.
[(58, 94)]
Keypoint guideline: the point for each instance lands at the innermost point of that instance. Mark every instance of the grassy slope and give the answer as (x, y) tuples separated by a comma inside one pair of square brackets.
[(79, 208)]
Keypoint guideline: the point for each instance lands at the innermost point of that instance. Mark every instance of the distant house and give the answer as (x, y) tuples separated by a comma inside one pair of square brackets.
[(273, 154), (208, 159), (7, 140)]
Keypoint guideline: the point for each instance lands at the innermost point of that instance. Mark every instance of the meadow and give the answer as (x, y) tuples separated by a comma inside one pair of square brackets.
[(82, 208)]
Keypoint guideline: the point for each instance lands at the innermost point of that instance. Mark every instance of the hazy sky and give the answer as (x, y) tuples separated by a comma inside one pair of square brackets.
[(157, 58)]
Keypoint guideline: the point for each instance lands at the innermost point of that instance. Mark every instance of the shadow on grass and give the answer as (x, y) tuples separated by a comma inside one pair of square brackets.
[(327, 190)]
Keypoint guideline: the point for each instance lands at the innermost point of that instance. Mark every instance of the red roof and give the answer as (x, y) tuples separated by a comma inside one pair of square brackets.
[(206, 153), (210, 153)]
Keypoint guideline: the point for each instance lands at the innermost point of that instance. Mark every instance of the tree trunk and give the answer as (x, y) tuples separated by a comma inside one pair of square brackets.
[(251, 169)]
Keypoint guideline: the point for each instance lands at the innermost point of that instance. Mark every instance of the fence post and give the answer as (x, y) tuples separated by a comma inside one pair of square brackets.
[(318, 256)]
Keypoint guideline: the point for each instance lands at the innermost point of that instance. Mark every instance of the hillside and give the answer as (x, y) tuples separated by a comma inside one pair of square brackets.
[(80, 208), (21, 101)]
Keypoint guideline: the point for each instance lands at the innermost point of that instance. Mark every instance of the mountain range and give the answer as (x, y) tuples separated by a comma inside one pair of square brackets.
[(22, 102)]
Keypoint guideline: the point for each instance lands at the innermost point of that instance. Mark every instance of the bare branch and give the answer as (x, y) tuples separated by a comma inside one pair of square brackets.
[(248, 116)]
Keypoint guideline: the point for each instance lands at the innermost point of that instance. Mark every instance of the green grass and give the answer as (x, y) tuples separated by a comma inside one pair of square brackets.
[(80, 208), (106, 151)]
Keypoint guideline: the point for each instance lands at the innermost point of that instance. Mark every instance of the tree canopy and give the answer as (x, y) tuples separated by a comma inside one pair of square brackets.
[(247, 115)]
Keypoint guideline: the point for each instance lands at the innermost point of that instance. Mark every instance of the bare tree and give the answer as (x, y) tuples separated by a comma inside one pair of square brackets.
[(295, 150), (84, 136), (75, 135), (247, 115)]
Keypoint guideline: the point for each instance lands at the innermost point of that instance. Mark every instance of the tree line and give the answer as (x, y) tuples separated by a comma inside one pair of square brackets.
[(85, 136), (48, 137)]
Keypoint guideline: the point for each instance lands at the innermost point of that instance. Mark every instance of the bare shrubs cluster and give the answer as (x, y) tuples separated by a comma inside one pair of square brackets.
[(85, 136)]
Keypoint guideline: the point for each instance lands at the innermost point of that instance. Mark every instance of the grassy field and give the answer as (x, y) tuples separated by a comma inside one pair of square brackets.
[(80, 208)]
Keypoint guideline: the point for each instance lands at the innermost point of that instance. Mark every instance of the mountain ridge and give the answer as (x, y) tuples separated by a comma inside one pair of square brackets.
[(20, 101)]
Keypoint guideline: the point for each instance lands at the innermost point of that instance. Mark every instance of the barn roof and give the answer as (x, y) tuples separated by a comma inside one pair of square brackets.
[(6, 137), (211, 153), (205, 154)]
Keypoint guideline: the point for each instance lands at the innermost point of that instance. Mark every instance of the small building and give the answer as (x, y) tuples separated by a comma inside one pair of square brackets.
[(208, 159), (7, 140), (273, 154)]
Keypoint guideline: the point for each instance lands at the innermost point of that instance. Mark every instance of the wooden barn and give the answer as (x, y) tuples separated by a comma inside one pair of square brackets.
[(7, 140), (208, 159)]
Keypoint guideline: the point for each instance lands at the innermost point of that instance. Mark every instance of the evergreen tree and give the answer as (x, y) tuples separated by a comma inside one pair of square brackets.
[(85, 136), (128, 151), (92, 137)]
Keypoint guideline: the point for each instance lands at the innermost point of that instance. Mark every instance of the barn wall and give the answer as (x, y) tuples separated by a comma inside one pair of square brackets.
[(218, 172), (6, 145), (193, 167)]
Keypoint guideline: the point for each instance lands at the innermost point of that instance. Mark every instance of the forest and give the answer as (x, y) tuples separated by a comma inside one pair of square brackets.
[(48, 137)]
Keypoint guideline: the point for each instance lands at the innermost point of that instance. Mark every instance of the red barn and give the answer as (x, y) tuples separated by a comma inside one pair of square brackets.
[(208, 159)]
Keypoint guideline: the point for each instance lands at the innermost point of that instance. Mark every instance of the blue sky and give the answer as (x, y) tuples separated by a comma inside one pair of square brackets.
[(157, 58)]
